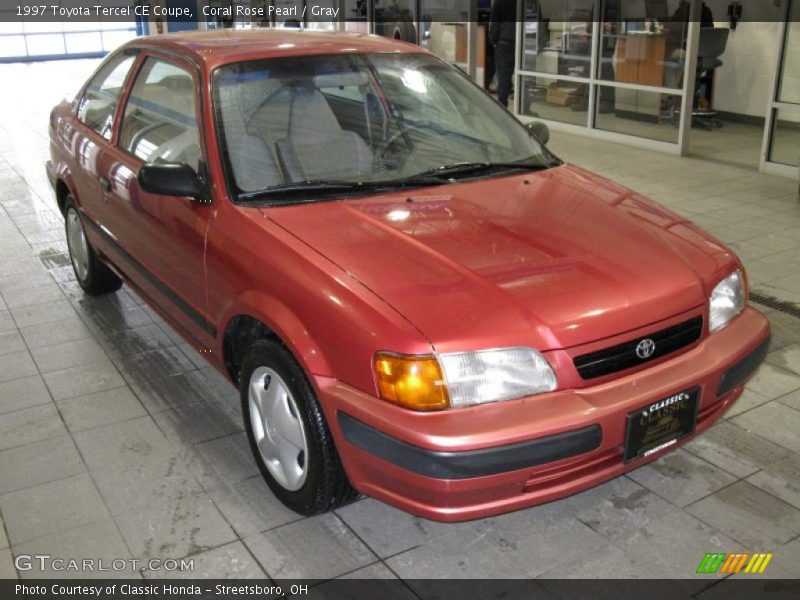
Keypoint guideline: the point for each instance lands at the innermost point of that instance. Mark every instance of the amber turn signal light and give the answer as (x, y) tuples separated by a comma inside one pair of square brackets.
[(414, 382)]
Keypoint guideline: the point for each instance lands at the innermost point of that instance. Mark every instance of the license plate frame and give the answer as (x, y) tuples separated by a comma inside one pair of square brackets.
[(661, 424)]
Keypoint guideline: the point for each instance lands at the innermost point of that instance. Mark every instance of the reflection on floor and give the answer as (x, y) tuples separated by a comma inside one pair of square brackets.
[(117, 441)]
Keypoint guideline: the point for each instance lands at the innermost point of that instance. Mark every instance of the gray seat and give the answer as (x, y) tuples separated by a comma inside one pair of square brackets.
[(316, 146), (711, 46), (254, 167)]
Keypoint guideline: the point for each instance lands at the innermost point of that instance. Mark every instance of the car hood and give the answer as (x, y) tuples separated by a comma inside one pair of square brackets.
[(551, 259)]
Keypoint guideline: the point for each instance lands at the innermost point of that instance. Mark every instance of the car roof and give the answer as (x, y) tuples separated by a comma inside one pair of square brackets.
[(218, 46)]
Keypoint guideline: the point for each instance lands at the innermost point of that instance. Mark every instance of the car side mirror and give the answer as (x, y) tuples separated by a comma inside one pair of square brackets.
[(171, 180), (539, 130)]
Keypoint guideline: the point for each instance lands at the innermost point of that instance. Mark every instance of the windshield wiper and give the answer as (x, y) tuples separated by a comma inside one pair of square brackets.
[(291, 191), (471, 168)]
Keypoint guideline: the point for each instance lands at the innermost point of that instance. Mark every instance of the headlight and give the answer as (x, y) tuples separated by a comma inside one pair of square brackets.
[(727, 301), (462, 379)]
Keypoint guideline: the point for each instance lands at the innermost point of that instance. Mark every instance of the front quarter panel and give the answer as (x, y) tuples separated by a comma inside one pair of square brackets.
[(331, 323)]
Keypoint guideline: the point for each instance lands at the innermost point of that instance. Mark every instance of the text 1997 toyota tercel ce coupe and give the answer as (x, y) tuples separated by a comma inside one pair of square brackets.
[(416, 299)]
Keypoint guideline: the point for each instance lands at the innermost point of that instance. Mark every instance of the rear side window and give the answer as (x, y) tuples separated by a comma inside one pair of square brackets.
[(159, 123), (96, 108)]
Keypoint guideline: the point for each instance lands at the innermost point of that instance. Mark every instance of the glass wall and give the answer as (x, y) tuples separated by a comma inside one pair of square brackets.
[(784, 129), (615, 65)]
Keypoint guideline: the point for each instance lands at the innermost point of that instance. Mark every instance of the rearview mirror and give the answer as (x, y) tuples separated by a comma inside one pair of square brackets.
[(539, 130), (171, 180)]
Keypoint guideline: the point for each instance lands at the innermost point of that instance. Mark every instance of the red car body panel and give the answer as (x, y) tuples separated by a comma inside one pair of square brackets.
[(561, 260)]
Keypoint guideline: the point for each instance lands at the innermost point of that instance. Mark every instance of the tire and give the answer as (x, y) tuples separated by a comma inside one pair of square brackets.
[(288, 434), (92, 275)]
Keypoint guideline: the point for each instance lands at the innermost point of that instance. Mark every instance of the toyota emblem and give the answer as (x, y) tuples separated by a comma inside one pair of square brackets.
[(645, 348)]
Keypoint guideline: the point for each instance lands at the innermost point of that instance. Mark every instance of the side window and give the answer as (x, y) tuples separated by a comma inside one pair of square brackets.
[(96, 108), (159, 123)]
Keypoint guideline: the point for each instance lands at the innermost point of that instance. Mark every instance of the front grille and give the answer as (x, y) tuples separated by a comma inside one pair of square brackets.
[(623, 356)]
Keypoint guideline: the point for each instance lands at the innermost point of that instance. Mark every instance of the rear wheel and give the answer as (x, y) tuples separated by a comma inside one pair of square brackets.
[(93, 276), (288, 434)]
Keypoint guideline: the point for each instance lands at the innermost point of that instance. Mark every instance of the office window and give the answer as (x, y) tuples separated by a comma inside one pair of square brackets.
[(558, 37), (635, 112), (557, 100)]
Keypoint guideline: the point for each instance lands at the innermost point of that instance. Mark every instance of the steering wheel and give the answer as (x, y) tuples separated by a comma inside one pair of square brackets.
[(406, 127)]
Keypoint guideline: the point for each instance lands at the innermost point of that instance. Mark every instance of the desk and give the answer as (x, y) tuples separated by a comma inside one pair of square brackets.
[(639, 58)]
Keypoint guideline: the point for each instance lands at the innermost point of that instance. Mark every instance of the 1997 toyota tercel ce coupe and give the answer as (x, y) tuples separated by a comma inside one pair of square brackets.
[(416, 299)]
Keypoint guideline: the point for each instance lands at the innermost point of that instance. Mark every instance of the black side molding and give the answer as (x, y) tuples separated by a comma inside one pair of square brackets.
[(470, 463), (743, 369)]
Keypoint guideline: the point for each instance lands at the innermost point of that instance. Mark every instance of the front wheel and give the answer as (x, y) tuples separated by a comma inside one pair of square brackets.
[(93, 276), (288, 434)]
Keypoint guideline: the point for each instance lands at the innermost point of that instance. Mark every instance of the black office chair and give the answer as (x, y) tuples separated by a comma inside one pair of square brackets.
[(711, 46)]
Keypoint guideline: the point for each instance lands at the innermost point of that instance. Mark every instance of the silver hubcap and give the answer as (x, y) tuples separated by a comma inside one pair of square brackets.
[(78, 248), (278, 428)]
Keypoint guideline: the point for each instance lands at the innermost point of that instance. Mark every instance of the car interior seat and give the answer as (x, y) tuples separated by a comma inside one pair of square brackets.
[(316, 146)]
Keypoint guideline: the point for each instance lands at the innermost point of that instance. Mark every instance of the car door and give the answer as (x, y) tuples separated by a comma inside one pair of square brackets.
[(93, 126), (160, 240)]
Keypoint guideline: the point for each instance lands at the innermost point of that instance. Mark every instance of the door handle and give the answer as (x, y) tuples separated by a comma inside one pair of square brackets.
[(105, 183)]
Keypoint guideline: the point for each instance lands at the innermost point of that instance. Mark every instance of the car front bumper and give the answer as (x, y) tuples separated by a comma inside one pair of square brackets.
[(474, 462)]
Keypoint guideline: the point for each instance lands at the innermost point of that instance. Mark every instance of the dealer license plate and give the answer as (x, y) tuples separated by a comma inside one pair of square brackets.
[(661, 424)]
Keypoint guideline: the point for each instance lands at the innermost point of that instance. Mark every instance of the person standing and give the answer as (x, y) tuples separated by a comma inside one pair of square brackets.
[(503, 35)]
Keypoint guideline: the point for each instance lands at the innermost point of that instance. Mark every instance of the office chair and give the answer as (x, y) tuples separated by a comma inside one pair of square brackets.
[(711, 46)]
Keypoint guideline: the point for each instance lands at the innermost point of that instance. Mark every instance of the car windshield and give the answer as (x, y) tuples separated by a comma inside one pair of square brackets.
[(330, 125)]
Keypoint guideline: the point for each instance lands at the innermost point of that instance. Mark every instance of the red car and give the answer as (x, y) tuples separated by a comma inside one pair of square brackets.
[(416, 299)]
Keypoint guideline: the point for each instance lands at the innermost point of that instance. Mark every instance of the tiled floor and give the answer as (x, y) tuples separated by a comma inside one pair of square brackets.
[(116, 441)]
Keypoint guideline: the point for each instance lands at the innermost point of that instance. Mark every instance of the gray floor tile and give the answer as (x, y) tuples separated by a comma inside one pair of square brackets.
[(30, 425), (7, 322), (98, 540), (786, 358), (755, 519), (611, 562), (222, 461), (23, 393), (682, 478), (84, 379), (388, 531), (48, 312), (735, 450), (166, 393), (153, 364), (17, 365), (461, 554), (540, 539), (3, 536), (11, 342), (27, 296), (231, 561), (788, 557), (191, 525), (67, 355), (772, 381), (615, 509), (197, 422), (748, 400), (250, 507), (40, 462), (101, 408), (7, 570), (674, 545), (120, 446), (775, 422), (374, 571), (781, 479), (791, 399), (161, 483), (51, 507), (318, 547), (52, 334)]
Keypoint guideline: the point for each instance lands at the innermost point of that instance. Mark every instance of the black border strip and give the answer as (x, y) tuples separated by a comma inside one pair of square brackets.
[(743, 369), (469, 463), (165, 290)]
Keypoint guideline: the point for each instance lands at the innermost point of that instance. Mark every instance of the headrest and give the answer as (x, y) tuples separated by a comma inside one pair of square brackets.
[(345, 79)]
